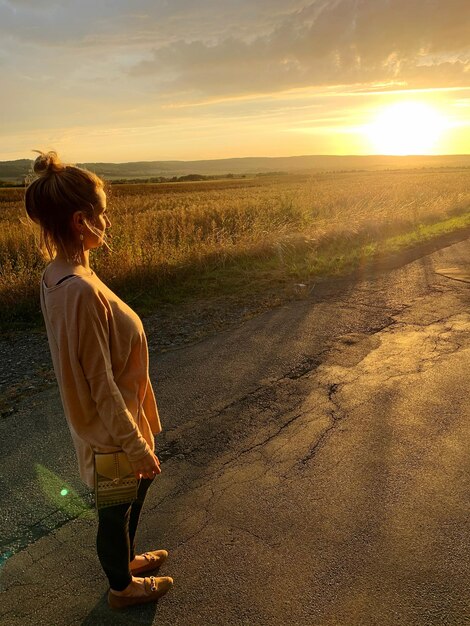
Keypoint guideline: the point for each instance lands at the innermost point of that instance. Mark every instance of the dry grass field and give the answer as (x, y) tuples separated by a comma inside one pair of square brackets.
[(173, 242)]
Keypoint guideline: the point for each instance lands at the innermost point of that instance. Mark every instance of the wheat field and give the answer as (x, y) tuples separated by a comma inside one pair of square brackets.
[(174, 241)]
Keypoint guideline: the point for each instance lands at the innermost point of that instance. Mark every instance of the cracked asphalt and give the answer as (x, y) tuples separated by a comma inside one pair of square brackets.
[(315, 470)]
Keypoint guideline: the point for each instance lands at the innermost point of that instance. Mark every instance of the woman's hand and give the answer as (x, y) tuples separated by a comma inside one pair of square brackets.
[(147, 467)]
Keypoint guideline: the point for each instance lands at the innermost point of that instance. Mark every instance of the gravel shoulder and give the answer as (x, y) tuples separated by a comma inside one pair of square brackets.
[(26, 367)]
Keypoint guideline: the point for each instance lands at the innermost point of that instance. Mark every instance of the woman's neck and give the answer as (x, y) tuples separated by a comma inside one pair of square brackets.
[(61, 258)]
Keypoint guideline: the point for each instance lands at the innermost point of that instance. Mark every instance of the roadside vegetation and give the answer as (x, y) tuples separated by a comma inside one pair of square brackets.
[(177, 242)]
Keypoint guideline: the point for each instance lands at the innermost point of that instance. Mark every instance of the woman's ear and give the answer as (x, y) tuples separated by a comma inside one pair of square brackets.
[(78, 222)]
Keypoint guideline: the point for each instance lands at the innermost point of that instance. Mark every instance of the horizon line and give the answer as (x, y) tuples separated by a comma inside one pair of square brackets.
[(293, 156)]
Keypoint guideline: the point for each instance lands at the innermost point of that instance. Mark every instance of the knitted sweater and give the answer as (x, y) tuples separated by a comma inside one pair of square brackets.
[(100, 357)]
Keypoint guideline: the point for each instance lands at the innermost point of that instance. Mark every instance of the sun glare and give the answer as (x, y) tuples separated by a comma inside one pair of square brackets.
[(406, 128)]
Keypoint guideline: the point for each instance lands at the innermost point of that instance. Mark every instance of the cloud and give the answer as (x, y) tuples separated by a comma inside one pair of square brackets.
[(334, 42), (222, 47), (125, 23)]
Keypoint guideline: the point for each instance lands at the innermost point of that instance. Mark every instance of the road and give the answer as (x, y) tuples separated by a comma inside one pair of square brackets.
[(315, 470)]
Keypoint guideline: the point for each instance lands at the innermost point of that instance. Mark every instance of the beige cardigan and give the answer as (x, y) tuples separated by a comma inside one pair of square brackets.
[(100, 357)]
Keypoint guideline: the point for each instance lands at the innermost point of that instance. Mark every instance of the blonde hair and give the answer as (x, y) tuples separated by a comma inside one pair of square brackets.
[(51, 199)]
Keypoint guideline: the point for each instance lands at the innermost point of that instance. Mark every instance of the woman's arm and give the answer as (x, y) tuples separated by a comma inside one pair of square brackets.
[(93, 352)]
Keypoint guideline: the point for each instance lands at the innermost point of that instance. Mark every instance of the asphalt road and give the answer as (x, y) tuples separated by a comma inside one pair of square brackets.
[(315, 470)]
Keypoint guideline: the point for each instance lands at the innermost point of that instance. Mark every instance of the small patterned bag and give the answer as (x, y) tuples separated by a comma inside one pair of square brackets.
[(115, 481)]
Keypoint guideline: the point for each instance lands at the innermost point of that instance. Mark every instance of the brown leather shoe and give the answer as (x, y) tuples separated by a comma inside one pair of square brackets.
[(155, 559), (154, 588)]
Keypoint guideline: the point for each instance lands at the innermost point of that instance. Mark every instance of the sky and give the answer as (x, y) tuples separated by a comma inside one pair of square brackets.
[(122, 80)]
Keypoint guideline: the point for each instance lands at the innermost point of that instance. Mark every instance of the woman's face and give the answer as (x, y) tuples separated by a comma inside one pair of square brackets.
[(94, 238)]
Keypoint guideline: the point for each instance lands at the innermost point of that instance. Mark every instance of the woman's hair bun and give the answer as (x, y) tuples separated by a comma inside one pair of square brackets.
[(47, 163)]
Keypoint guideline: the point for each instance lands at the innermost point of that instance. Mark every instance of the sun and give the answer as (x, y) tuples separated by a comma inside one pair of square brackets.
[(406, 128)]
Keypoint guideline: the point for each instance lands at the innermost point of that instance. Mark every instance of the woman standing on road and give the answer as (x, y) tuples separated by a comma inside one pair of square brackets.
[(100, 357)]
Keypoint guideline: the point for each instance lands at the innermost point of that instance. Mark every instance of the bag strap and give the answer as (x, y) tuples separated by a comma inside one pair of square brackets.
[(64, 278)]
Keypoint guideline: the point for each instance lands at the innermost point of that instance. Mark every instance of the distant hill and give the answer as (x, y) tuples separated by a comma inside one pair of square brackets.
[(15, 171)]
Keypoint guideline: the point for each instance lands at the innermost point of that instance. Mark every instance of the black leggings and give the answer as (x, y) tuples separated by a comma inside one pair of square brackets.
[(115, 542)]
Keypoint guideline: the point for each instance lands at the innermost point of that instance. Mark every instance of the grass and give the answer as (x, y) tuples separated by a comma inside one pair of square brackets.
[(174, 243)]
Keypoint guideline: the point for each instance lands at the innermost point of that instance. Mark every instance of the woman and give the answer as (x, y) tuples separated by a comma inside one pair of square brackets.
[(100, 357)]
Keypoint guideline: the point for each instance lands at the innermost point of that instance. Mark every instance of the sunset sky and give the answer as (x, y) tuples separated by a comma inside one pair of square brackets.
[(123, 80)]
